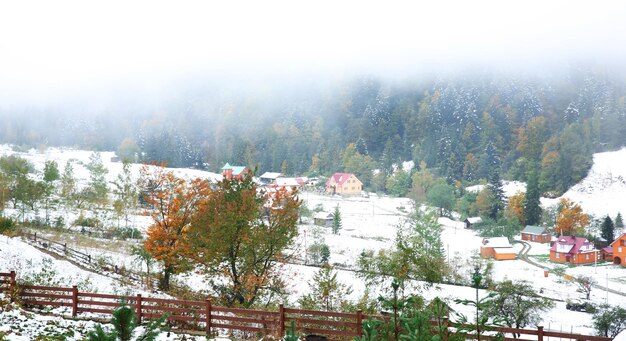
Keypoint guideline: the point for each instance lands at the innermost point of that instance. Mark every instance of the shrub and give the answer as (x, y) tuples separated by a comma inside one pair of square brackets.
[(7, 225), (87, 221)]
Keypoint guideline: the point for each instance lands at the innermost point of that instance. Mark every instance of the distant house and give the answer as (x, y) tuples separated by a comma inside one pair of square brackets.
[(115, 159), (288, 182), (234, 172), (472, 222), (606, 253), (344, 183), (323, 219), (269, 178), (497, 248), (573, 250), (619, 250), (536, 234)]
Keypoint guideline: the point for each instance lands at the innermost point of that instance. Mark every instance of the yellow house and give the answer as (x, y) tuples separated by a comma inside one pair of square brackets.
[(344, 183)]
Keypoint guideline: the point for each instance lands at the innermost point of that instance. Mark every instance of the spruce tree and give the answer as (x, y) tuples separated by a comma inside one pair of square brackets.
[(336, 220), (532, 210), (619, 224), (608, 229)]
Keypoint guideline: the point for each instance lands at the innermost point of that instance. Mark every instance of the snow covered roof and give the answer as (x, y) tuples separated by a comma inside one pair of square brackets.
[(497, 242), (538, 230), (270, 175), (576, 242), (323, 215), (504, 250), (341, 178), (236, 169), (474, 220)]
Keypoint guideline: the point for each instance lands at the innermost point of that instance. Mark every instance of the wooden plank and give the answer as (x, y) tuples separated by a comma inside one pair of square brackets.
[(575, 336), (352, 325), (174, 317), (328, 331), (169, 301), (242, 328), (173, 309), (39, 287), (245, 311), (242, 319), (102, 303), (44, 295), (109, 296), (319, 313), (518, 331), (5, 274), (57, 304)]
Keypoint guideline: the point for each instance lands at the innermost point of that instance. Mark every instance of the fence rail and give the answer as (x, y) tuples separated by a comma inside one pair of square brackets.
[(204, 316)]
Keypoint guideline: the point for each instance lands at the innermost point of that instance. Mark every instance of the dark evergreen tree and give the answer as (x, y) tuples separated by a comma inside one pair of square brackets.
[(532, 210), (336, 220), (607, 229), (619, 224)]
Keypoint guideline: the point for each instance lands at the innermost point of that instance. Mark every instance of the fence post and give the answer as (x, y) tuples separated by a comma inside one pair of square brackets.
[(539, 333), (359, 322), (74, 300), (12, 286), (65, 248), (35, 236), (445, 328), (282, 320), (208, 317), (138, 308), (89, 256)]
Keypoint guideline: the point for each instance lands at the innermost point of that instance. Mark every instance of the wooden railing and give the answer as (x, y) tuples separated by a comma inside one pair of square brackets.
[(204, 316)]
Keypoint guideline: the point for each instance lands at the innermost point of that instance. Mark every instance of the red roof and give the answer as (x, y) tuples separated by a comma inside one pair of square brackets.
[(340, 178), (577, 242), (607, 249)]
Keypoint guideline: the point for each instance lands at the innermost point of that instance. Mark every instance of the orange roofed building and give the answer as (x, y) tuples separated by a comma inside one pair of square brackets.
[(344, 183), (497, 248), (619, 250), (573, 250), (234, 172)]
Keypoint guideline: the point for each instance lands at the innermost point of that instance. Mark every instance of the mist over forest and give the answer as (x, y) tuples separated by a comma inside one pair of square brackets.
[(458, 125)]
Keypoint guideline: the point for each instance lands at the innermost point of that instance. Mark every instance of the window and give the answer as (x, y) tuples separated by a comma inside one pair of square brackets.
[(558, 255), (619, 249), (587, 256)]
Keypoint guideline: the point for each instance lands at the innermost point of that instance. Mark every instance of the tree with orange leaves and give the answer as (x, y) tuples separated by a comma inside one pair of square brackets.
[(174, 203), (239, 236), (570, 219), (515, 207)]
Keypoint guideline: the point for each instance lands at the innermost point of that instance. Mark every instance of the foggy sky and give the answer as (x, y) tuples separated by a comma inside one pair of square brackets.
[(54, 49)]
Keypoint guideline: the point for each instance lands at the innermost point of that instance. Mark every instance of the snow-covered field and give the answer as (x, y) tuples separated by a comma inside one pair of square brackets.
[(369, 223)]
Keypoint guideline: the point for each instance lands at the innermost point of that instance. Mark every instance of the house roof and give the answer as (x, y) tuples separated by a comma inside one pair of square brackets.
[(504, 250), (323, 215), (538, 230), (236, 169), (496, 242), (341, 178), (607, 249), (474, 220), (270, 175), (576, 242), (623, 236)]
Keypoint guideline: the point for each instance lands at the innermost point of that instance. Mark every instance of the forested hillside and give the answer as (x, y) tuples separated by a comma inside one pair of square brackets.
[(459, 127)]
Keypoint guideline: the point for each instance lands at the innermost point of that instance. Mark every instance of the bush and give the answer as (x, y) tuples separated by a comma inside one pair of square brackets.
[(87, 222), (7, 225), (124, 233)]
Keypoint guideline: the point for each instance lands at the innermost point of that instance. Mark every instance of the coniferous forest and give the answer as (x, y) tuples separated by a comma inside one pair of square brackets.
[(459, 127)]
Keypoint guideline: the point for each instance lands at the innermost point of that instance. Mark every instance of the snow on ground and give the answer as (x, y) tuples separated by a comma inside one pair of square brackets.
[(603, 190), (370, 223)]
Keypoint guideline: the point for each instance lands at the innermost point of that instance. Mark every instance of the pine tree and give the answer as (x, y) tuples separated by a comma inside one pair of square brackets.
[(497, 194), (336, 220), (532, 210), (608, 229), (619, 224)]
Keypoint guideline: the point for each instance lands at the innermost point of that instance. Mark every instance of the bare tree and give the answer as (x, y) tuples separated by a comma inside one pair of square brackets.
[(585, 283)]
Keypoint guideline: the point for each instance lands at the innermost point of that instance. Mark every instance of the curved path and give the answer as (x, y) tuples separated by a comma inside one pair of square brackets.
[(523, 255)]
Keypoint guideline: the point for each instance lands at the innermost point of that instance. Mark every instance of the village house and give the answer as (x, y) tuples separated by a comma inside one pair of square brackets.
[(472, 222), (619, 249), (344, 183), (323, 219), (269, 178), (573, 250), (234, 172), (537, 234), (606, 254), (498, 248)]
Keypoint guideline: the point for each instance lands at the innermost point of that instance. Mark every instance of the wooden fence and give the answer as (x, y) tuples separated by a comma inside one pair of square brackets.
[(204, 316)]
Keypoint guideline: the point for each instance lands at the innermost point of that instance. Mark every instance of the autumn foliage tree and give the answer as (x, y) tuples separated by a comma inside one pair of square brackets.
[(515, 207), (174, 203), (570, 219), (238, 237)]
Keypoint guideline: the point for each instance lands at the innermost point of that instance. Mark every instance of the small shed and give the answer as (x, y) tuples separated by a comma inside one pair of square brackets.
[(323, 219), (472, 222), (269, 178), (606, 253), (538, 234), (497, 248)]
